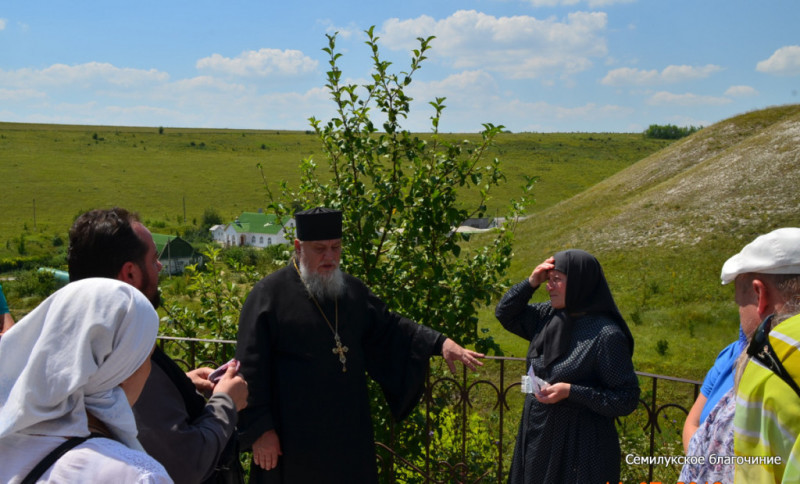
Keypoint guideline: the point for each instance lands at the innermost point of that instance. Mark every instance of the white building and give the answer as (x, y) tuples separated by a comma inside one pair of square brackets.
[(255, 229)]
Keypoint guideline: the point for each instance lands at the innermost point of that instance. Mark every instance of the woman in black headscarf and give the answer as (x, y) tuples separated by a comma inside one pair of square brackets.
[(582, 347)]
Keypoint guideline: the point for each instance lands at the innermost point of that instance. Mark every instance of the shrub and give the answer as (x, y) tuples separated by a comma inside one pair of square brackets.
[(401, 198), (34, 283), (662, 346), (219, 300), (669, 131)]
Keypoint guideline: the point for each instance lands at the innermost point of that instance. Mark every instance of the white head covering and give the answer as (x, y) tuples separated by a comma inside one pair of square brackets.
[(70, 354), (777, 252)]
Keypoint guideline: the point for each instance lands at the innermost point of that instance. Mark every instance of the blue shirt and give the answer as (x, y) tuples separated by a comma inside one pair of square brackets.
[(719, 378), (3, 304)]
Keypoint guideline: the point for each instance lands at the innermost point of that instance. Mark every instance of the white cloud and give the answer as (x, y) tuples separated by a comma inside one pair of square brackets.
[(351, 31), (519, 47), (546, 117), (205, 83), (3, 23), (474, 92), (462, 84), (667, 98), (627, 76), (82, 75), (18, 95), (552, 3), (260, 63), (784, 62), (684, 72), (682, 120), (567, 3), (741, 91), (607, 3)]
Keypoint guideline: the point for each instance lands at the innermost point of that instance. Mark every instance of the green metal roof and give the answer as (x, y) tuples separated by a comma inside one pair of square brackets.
[(172, 246)]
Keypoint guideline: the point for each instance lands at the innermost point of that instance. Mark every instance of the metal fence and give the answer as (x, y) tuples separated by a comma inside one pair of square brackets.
[(465, 427)]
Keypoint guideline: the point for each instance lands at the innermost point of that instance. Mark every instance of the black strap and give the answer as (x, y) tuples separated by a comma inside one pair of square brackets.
[(52, 457), (761, 349)]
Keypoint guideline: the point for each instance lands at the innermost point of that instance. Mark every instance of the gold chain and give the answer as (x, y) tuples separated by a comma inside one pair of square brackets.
[(339, 348)]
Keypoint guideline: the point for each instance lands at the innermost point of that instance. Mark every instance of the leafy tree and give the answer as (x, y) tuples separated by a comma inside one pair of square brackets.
[(215, 314), (669, 131), (211, 217), (399, 196)]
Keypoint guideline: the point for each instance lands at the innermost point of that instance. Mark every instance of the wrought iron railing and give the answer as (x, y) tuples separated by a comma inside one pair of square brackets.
[(465, 427)]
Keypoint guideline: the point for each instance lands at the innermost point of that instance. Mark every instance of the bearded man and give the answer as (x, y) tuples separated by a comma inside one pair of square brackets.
[(309, 335)]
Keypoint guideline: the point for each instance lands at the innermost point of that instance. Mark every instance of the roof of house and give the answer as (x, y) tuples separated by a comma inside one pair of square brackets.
[(258, 223), (172, 246)]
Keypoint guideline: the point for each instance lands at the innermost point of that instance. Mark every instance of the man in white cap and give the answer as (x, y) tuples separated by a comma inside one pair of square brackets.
[(767, 416)]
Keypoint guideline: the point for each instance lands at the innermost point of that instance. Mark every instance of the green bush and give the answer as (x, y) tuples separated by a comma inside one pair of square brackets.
[(215, 296), (447, 462), (669, 131), (32, 283)]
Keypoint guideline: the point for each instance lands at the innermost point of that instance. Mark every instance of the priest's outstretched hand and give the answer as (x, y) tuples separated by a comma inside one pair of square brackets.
[(452, 351)]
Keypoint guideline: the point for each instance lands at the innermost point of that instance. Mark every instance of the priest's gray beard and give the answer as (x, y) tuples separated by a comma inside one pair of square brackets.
[(322, 286)]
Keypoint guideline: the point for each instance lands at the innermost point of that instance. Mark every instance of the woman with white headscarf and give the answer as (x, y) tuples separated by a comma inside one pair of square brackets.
[(71, 368)]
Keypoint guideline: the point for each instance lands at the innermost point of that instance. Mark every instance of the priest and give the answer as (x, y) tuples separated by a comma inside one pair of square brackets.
[(309, 337)]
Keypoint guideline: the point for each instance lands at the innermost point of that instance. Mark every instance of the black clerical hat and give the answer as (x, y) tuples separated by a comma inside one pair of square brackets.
[(318, 223)]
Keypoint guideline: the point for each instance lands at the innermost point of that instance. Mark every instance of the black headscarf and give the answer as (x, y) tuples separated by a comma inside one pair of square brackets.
[(587, 293)]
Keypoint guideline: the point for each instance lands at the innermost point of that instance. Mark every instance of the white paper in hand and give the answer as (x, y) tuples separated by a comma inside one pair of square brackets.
[(532, 383)]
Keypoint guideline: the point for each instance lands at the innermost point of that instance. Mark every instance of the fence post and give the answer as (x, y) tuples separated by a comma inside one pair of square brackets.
[(653, 430)]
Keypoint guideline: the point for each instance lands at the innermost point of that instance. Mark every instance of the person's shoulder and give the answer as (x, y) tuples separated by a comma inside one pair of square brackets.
[(355, 288), (275, 279), (599, 320), (110, 454), (729, 352), (351, 280), (784, 337), (604, 325), (789, 327)]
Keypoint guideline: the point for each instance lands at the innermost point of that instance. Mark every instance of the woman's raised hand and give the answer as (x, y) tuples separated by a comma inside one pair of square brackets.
[(541, 272)]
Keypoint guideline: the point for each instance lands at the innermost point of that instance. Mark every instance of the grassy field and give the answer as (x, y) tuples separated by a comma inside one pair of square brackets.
[(662, 217), (53, 173)]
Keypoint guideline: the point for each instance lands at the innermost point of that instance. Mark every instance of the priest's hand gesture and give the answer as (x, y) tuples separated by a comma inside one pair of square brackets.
[(266, 450), (452, 351)]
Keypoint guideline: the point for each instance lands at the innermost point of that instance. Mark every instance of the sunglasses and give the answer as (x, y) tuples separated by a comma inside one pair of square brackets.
[(761, 350)]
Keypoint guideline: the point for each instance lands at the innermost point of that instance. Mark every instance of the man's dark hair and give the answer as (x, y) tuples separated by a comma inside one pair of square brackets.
[(101, 242)]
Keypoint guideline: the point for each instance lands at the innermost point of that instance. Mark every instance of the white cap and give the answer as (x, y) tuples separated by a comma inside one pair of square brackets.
[(777, 252)]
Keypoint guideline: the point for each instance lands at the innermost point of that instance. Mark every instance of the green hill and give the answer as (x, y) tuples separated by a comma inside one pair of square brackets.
[(662, 217), (52, 173), (663, 227)]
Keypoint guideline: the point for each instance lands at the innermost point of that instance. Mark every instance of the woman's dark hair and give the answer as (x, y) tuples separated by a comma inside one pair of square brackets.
[(101, 242)]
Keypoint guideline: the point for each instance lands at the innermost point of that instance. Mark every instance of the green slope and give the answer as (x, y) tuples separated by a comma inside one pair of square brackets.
[(663, 227)]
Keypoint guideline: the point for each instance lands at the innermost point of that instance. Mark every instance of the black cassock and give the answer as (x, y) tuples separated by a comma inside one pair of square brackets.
[(297, 385), (574, 440)]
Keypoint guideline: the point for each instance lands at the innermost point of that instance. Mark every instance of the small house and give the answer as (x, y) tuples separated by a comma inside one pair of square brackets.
[(175, 253)]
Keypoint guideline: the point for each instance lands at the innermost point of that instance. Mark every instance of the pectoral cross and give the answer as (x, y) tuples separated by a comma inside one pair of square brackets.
[(341, 350)]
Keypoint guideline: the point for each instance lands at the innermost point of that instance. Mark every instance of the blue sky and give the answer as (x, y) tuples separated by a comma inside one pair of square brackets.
[(529, 65)]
